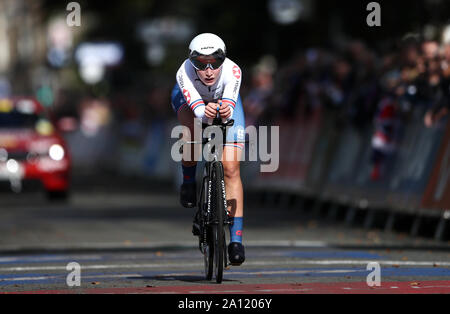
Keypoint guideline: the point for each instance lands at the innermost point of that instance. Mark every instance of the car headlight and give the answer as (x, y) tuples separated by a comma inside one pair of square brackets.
[(12, 166), (56, 152)]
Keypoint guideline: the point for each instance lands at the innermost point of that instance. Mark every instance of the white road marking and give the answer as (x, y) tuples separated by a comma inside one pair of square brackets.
[(59, 277), (249, 263), (49, 258), (8, 259), (97, 267)]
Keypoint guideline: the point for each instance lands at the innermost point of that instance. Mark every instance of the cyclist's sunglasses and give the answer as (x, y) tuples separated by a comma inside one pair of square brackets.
[(202, 62)]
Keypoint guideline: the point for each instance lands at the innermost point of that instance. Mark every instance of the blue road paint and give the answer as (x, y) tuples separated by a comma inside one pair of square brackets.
[(26, 279)]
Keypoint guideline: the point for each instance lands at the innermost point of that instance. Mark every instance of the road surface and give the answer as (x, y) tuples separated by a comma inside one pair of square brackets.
[(138, 240)]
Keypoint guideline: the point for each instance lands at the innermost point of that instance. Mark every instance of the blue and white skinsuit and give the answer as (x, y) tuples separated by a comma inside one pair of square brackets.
[(190, 91)]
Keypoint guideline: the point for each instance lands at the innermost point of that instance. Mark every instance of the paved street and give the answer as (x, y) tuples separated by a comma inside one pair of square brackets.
[(139, 241)]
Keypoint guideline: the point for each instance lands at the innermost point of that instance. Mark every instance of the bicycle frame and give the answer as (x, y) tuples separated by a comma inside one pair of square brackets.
[(207, 180), (209, 219)]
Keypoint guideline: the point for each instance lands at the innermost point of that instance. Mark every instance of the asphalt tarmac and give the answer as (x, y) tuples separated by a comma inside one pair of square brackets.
[(113, 238)]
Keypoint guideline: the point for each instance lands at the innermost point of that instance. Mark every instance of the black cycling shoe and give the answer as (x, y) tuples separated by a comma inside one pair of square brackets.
[(236, 253), (188, 195)]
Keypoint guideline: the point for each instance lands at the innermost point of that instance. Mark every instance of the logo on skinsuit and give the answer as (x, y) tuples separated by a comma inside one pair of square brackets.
[(239, 233), (187, 96), (237, 72)]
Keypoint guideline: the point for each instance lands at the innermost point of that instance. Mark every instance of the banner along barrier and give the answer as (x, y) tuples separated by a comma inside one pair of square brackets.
[(413, 166), (437, 193), (333, 162), (324, 151), (298, 137), (398, 179), (349, 163)]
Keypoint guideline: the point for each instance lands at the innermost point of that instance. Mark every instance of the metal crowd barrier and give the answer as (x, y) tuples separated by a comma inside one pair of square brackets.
[(330, 161)]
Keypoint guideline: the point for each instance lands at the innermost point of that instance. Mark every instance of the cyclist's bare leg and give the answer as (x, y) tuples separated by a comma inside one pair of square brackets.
[(233, 182), (235, 200)]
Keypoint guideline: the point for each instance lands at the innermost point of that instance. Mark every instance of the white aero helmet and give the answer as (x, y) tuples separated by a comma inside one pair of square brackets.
[(207, 50)]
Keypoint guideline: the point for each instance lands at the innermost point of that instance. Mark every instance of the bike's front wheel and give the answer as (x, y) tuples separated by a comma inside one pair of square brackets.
[(207, 234), (218, 228), (208, 256)]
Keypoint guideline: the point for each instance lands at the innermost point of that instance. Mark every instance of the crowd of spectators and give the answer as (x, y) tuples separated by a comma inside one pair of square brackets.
[(353, 81), (361, 86)]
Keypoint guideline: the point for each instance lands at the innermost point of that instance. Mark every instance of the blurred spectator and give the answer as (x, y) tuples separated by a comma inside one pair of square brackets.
[(440, 76), (384, 142), (5, 87), (430, 49), (363, 88), (95, 114), (260, 90)]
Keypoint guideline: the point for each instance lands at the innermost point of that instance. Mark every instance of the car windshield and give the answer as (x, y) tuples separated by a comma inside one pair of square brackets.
[(17, 120)]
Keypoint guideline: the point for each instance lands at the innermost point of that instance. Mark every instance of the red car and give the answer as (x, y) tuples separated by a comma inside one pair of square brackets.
[(31, 149)]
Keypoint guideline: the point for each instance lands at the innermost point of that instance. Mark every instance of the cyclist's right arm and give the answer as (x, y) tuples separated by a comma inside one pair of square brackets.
[(190, 94)]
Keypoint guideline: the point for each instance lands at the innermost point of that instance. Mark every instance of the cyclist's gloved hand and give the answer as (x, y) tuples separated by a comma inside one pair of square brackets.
[(225, 111), (211, 110), (215, 110)]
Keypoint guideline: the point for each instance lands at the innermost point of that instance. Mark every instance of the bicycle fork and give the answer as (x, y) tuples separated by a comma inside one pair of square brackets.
[(207, 216)]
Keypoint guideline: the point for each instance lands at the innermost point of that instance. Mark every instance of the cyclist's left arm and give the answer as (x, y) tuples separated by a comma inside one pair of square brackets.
[(232, 80)]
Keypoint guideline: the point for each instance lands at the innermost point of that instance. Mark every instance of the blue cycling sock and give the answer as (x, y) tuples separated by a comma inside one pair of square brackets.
[(236, 229), (189, 173)]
